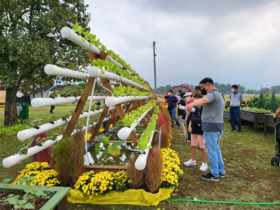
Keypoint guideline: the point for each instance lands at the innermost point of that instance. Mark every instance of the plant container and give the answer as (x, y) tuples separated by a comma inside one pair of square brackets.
[(58, 201)]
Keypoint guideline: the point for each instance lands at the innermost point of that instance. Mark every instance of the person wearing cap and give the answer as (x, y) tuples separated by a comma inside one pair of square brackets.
[(190, 100), (236, 99), (172, 102)]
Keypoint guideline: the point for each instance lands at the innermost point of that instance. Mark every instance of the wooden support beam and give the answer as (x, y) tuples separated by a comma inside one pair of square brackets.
[(106, 84), (105, 167), (97, 126), (110, 120), (134, 105), (98, 168), (82, 101), (126, 106), (79, 108)]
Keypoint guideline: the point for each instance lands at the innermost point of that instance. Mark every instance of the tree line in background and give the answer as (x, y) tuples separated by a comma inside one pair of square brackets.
[(224, 88)]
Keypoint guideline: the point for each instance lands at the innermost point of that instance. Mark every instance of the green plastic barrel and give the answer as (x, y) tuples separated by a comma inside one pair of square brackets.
[(22, 111)]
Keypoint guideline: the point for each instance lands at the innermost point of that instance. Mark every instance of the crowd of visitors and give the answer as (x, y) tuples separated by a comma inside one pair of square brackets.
[(203, 114)]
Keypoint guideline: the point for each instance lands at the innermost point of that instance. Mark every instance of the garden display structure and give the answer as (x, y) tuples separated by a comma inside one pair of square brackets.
[(152, 169), (120, 105)]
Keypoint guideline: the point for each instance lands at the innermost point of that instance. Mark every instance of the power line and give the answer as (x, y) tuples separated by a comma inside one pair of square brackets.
[(134, 48), (137, 62)]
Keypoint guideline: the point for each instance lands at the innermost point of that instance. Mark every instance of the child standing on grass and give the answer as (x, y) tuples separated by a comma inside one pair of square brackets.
[(197, 135)]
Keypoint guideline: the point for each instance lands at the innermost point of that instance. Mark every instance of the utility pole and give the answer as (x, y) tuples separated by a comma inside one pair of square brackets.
[(155, 71)]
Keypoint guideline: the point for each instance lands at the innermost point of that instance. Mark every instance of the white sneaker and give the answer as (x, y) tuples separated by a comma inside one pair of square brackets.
[(190, 163), (203, 167)]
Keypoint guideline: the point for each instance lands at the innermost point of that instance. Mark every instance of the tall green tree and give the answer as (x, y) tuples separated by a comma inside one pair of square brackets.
[(30, 38), (261, 100), (273, 102)]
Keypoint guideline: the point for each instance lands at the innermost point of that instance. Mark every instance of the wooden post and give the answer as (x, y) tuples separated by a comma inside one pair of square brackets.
[(255, 122), (79, 108), (265, 125), (110, 120), (83, 99), (63, 204), (97, 126)]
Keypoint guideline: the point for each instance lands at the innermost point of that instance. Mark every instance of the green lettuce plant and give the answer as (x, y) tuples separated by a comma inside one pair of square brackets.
[(5, 184), (145, 138)]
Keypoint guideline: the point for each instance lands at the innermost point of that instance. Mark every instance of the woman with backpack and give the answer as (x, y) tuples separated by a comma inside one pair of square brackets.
[(197, 135)]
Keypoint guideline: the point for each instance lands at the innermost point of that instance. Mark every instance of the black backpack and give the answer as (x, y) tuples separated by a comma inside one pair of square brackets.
[(196, 117)]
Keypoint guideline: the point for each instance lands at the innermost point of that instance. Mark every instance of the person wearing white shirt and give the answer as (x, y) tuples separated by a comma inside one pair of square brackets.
[(236, 99)]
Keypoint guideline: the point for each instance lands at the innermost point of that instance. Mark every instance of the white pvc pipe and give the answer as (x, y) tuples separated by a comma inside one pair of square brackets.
[(28, 133), (112, 101), (141, 161), (40, 102), (70, 34), (14, 159), (125, 132), (55, 70), (111, 82), (96, 72), (89, 108)]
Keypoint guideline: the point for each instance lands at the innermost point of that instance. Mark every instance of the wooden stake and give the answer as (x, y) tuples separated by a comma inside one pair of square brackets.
[(97, 126)]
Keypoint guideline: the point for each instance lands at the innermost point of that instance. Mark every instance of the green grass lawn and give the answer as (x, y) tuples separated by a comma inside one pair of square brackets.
[(249, 174)]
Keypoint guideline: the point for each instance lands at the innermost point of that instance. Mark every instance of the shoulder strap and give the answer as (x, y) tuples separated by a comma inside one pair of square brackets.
[(199, 113), (219, 92)]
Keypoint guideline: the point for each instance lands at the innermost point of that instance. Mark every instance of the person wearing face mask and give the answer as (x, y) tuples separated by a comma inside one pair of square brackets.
[(236, 99), (178, 94), (197, 136), (212, 125), (182, 114), (188, 97), (172, 102)]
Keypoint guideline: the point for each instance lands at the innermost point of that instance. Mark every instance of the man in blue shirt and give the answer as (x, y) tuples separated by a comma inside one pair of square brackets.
[(172, 104), (236, 99)]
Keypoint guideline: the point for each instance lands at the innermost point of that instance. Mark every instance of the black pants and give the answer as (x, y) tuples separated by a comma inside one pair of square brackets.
[(52, 108), (188, 122)]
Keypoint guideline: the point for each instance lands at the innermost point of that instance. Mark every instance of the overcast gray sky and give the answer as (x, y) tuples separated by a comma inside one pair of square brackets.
[(231, 41)]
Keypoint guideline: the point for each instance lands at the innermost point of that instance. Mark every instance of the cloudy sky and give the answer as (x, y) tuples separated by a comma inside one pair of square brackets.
[(233, 41)]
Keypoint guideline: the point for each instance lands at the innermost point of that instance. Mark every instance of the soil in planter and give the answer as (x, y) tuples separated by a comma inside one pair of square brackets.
[(39, 201)]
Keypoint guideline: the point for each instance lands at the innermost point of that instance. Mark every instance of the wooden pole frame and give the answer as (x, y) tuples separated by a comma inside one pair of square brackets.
[(120, 110)]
